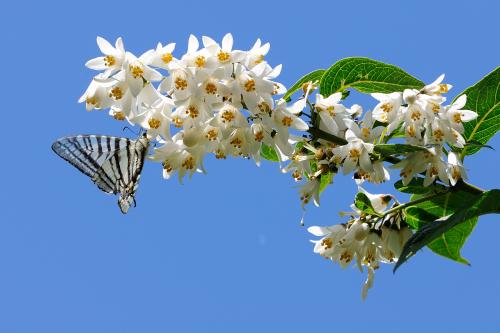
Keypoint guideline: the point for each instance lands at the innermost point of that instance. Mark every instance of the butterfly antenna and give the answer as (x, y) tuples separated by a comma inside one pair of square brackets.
[(132, 131)]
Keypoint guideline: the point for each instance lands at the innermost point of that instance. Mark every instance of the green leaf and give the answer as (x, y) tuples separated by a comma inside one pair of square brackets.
[(313, 76), (456, 220), (397, 149), (367, 76), (269, 153), (363, 203), (483, 98), (325, 180), (416, 186)]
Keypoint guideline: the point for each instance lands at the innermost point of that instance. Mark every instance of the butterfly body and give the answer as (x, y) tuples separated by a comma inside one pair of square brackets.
[(114, 164)]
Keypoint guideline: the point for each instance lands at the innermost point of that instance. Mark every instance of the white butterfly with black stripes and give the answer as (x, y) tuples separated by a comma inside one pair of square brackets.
[(114, 164)]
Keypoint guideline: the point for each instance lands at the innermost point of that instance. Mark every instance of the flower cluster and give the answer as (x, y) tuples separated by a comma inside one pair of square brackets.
[(213, 99), (366, 239), (418, 115)]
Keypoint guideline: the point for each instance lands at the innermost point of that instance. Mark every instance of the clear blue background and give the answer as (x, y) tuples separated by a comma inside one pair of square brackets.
[(223, 252)]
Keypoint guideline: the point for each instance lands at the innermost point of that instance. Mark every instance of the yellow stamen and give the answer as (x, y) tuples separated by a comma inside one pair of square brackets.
[(259, 136), (327, 243), (287, 121), (415, 115), (250, 85), (109, 61), (200, 61), (354, 154), (118, 115), (116, 93), (227, 116), (236, 142), (180, 83), (387, 107), (178, 121), (167, 167), (443, 88), (223, 56), (167, 57), (219, 154), (211, 134), (211, 88), (154, 123), (193, 111), (188, 163), (264, 107), (136, 71)]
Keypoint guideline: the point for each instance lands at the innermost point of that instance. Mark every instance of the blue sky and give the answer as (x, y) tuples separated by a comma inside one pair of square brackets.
[(223, 252)]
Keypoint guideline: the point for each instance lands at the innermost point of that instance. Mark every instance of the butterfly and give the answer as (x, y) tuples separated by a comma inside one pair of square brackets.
[(114, 164)]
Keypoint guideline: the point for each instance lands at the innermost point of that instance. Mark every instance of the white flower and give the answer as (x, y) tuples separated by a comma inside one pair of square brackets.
[(456, 170), (154, 112), (457, 116), (413, 164), (136, 73), (439, 132), (200, 62), (436, 167), (379, 202), (180, 84), (113, 57), (254, 86), (225, 54), (436, 87), (310, 190), (256, 54), (387, 111), (96, 96), (332, 114), (161, 57), (365, 130), (368, 241), (355, 153)]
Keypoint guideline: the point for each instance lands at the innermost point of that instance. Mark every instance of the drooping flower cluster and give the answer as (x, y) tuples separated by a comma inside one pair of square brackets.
[(213, 99), (418, 115), (365, 239)]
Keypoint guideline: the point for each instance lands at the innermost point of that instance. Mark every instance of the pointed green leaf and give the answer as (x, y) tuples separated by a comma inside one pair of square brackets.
[(416, 186), (313, 76), (325, 180), (269, 153), (363, 203), (367, 76), (484, 99), (450, 220), (397, 149)]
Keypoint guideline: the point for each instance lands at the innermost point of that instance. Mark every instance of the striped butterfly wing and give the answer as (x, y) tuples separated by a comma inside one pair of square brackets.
[(114, 164)]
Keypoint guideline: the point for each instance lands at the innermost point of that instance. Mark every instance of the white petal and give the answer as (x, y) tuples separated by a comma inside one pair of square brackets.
[(467, 115), (328, 122), (264, 49), (349, 165), (227, 42), (275, 72), (96, 64), (105, 46), (379, 97), (460, 102), (119, 45), (207, 41), (299, 124), (333, 99), (193, 44), (365, 161), (319, 231)]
